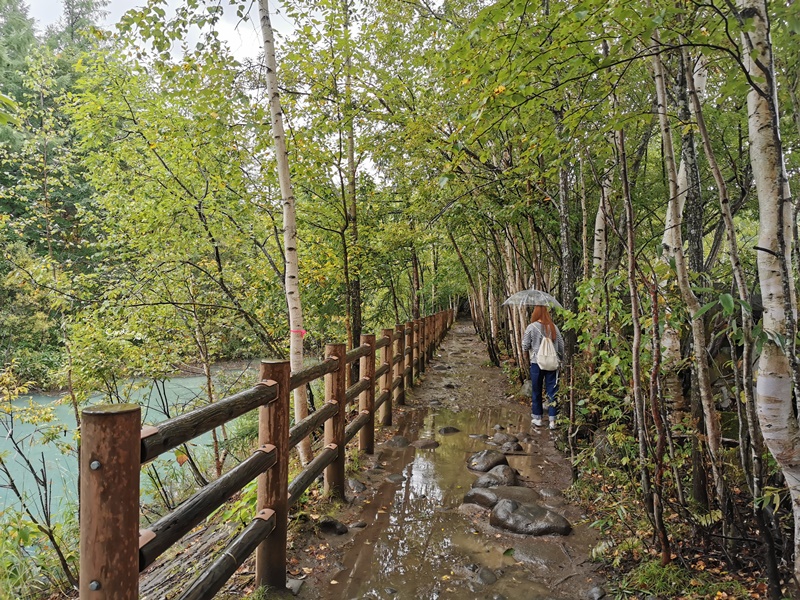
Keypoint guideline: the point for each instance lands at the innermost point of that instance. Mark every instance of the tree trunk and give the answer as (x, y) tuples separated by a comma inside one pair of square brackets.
[(354, 285), (776, 411), (601, 221), (756, 441), (712, 424), (291, 281)]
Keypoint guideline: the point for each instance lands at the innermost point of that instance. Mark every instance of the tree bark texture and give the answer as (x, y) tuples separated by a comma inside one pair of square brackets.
[(291, 281), (774, 386)]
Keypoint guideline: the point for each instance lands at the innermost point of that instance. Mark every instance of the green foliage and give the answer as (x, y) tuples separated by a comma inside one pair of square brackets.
[(673, 580), (7, 110), (28, 566)]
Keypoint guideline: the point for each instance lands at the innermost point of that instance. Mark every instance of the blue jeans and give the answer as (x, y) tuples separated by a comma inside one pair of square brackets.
[(549, 381)]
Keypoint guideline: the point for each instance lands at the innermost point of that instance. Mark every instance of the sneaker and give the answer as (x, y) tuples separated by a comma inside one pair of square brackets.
[(552, 424), (536, 421)]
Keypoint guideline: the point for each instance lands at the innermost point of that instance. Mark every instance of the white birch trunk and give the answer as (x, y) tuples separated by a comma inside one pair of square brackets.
[(601, 220), (492, 303), (774, 384), (291, 283), (513, 284)]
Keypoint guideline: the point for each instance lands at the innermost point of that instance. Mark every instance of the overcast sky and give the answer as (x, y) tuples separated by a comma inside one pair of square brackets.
[(244, 38)]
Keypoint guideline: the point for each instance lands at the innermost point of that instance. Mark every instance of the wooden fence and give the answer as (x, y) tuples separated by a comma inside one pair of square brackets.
[(114, 446)]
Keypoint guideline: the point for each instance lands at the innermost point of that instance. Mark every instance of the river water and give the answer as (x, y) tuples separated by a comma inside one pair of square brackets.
[(57, 458)]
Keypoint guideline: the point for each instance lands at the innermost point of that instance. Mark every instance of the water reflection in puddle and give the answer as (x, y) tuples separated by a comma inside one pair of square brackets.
[(417, 543)]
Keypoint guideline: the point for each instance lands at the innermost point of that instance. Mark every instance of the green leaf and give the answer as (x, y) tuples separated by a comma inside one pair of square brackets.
[(726, 300), (704, 309)]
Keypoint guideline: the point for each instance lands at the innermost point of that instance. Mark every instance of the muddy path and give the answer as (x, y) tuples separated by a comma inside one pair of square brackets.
[(409, 536)]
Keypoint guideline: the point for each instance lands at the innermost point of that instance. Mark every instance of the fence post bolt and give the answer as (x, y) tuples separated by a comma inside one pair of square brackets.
[(109, 510), (273, 428)]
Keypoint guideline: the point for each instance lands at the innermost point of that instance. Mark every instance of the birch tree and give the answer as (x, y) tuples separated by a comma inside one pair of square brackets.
[(776, 411), (291, 276)]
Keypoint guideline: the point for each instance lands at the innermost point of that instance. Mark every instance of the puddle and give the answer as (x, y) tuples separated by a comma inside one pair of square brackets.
[(418, 544)]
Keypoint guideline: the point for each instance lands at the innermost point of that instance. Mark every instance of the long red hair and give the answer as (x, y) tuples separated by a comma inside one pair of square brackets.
[(542, 315)]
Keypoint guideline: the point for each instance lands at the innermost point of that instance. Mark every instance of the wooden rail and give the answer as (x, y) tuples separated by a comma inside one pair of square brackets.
[(115, 446)]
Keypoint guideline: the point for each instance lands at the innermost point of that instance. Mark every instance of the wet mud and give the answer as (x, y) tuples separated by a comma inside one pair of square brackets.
[(415, 538)]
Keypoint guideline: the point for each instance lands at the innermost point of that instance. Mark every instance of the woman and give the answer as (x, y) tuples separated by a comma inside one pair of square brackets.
[(542, 325)]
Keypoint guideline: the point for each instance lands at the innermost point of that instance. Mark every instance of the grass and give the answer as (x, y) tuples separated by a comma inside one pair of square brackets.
[(674, 581)]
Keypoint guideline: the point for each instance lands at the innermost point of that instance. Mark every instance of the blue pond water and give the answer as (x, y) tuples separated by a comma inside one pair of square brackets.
[(57, 458)]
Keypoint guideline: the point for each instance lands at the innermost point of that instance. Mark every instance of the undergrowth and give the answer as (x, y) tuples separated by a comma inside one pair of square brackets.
[(631, 559)]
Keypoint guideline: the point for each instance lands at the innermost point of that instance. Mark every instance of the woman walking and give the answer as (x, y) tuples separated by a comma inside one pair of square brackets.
[(542, 326)]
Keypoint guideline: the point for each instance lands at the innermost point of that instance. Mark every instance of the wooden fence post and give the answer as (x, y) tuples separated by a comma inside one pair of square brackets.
[(335, 391), (400, 392), (421, 347), (431, 337), (273, 428), (415, 350), (387, 360), (408, 359), (366, 401), (109, 509), (426, 328)]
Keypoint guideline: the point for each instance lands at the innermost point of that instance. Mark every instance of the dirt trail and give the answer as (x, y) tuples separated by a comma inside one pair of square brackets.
[(409, 534)]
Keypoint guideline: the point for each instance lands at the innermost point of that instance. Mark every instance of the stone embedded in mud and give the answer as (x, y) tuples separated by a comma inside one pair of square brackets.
[(481, 496), (499, 427), (397, 441), (486, 460), (528, 519), (503, 438), (441, 367), (358, 525), (596, 593), (356, 486), (395, 478), (294, 585), (425, 444), (479, 436), (448, 429), (499, 475), (511, 447), (330, 525), (525, 437), (450, 386), (486, 576)]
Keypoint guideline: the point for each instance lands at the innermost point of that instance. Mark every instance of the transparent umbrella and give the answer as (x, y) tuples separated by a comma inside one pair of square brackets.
[(532, 297)]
